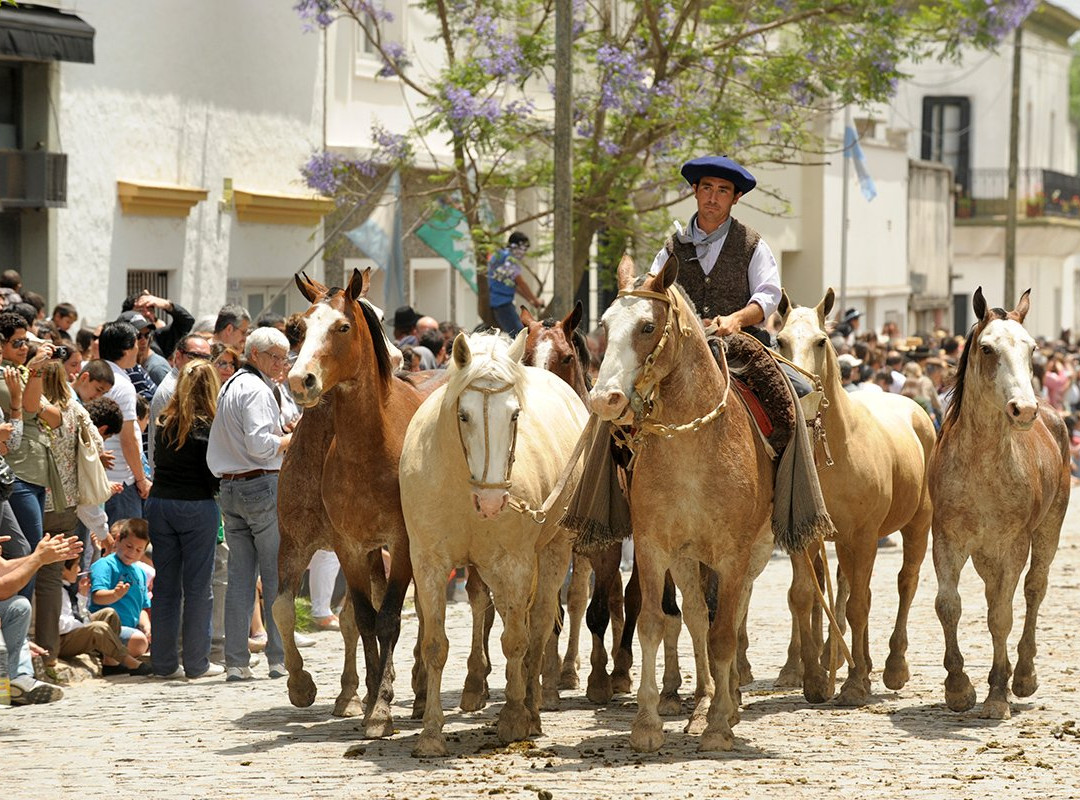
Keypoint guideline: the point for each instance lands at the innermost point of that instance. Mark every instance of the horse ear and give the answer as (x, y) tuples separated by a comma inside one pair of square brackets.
[(669, 272), (573, 319), (517, 349), (826, 304), (625, 272), (1022, 307), (461, 352), (784, 306), (978, 304), (359, 283), (306, 286), (527, 318)]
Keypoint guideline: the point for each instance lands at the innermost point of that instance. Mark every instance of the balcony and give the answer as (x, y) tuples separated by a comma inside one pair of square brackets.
[(1039, 192), (32, 179)]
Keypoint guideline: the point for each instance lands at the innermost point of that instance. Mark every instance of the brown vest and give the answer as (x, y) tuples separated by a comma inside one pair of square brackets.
[(726, 289)]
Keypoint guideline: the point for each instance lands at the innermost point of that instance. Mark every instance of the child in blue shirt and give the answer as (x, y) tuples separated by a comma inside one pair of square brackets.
[(118, 582)]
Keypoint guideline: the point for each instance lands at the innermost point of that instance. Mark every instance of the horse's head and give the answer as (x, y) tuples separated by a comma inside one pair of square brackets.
[(338, 332), (550, 345), (802, 338), (484, 392), (998, 356), (638, 325)]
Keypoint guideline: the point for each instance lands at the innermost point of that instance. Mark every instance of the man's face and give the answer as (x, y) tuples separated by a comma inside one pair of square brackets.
[(130, 549), (15, 348), (235, 336), (271, 363), (142, 342), (715, 197), (88, 389), (130, 357), (192, 348)]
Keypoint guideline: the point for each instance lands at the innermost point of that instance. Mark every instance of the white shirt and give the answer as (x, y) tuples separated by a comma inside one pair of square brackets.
[(246, 434), (123, 392), (165, 390), (763, 275)]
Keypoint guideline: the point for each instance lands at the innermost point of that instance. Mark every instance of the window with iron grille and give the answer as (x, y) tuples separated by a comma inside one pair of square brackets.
[(946, 135), (154, 281)]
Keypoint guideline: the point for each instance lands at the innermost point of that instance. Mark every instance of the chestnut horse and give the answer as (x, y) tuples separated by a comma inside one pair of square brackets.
[(345, 350), (880, 445), (1000, 482), (701, 494), (557, 346)]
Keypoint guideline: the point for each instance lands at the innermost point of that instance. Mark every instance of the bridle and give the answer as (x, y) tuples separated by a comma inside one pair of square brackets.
[(483, 482)]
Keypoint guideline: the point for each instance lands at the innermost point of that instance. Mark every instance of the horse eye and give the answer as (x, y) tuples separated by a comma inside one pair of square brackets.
[(648, 327), (343, 328), (515, 415), (567, 359), (987, 349), (463, 416), (820, 342)]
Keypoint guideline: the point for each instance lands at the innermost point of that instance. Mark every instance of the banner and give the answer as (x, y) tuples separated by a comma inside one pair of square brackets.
[(853, 151), (379, 237), (447, 233)]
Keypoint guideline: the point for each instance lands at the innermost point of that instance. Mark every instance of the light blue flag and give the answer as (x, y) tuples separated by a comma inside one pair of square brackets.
[(447, 233), (853, 151), (379, 237)]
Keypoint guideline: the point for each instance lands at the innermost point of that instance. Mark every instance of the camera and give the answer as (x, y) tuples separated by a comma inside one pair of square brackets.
[(61, 353)]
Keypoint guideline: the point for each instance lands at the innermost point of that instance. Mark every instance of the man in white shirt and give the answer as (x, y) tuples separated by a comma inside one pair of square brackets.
[(117, 346), (245, 450)]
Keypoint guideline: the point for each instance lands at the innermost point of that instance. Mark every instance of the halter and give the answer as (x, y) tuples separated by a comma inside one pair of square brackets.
[(484, 483)]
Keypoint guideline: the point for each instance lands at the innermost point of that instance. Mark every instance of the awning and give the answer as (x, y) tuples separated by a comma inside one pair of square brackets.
[(39, 33)]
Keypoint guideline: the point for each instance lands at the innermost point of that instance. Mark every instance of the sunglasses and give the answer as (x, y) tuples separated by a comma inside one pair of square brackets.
[(20, 343), (143, 335), (190, 354)]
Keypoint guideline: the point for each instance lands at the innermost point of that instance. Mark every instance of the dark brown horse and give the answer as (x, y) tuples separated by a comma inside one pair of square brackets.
[(345, 350)]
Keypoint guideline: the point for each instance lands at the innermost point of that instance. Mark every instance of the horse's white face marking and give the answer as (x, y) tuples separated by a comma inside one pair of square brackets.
[(802, 341), (488, 440), (305, 377), (624, 321), (1011, 346), (544, 356)]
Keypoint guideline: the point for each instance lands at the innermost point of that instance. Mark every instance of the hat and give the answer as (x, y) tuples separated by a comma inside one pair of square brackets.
[(849, 359), (135, 319), (851, 314), (718, 167), (405, 318)]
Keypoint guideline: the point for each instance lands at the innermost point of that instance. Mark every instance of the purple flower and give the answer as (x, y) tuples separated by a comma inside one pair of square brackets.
[(395, 61), (321, 173), (315, 13)]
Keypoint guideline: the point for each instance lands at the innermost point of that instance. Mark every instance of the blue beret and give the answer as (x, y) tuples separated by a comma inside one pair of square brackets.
[(719, 167)]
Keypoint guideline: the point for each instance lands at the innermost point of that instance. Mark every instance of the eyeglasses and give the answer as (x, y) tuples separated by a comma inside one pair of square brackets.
[(20, 343), (276, 358), (143, 335), (191, 354), (229, 365)]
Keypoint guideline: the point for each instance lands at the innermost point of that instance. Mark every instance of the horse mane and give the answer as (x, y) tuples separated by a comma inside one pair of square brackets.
[(956, 393), (490, 360), (378, 339)]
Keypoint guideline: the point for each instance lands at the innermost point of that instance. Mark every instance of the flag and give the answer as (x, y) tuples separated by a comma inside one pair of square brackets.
[(447, 233), (853, 151), (379, 237)]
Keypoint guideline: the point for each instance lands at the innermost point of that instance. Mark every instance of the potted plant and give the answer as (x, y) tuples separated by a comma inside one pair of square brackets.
[(1036, 203)]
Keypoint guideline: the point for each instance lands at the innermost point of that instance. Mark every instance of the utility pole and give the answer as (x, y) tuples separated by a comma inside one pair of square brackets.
[(1014, 150), (563, 194), (844, 214)]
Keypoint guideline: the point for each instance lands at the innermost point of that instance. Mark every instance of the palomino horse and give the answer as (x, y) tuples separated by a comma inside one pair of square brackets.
[(556, 345), (701, 489), (345, 350), (515, 428), (880, 444), (1000, 483)]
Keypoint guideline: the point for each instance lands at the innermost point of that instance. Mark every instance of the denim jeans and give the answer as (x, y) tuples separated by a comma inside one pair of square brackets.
[(15, 627), (508, 318), (249, 508), (126, 505), (184, 536), (28, 502)]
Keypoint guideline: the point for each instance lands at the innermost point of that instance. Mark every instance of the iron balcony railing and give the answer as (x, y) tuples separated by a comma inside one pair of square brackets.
[(1039, 193), (33, 179)]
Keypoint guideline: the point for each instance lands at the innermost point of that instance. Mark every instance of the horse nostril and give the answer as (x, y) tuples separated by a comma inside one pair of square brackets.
[(309, 381)]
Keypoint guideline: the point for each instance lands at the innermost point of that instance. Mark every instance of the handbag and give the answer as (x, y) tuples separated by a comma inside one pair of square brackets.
[(7, 480), (94, 486)]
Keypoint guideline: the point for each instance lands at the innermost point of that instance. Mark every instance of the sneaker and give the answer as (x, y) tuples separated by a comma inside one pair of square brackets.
[(257, 643), (234, 674), (330, 623), (176, 675), (113, 669), (144, 670), (27, 690), (211, 671), (278, 671), (303, 641)]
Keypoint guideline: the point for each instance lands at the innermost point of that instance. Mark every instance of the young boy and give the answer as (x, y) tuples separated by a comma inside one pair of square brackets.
[(118, 582), (98, 634)]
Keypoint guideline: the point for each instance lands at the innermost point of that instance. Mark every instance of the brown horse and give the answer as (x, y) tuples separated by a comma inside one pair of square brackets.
[(1000, 482), (345, 350), (557, 346), (880, 445), (701, 496)]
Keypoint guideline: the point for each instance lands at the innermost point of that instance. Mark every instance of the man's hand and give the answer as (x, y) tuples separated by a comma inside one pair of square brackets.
[(727, 325), (14, 385), (108, 460), (143, 485), (148, 302), (6, 429), (52, 549), (285, 441)]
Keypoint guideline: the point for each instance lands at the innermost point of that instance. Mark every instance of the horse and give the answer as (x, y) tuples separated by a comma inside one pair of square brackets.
[(704, 497), (880, 445), (1000, 482), (515, 428), (345, 353), (557, 346)]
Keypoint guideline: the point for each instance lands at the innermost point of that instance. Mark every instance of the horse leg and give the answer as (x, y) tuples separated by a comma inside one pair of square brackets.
[(916, 536), (379, 720), (650, 565), (670, 704), (791, 675), (723, 641), (419, 671), (512, 601), (430, 582), (552, 564), (687, 575), (292, 552), (624, 656), (550, 663), (576, 599), (857, 560), (475, 694), (1044, 545), (355, 564), (1001, 573), (347, 703), (801, 600), (742, 658), (949, 560)]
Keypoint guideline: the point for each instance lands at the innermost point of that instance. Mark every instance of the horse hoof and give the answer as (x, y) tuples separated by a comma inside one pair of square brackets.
[(697, 724), (599, 689), (378, 728), (896, 674), (568, 678), (430, 746), (716, 742), (302, 689), (646, 740), (816, 688), (746, 677), (472, 700), (960, 697), (670, 706), (348, 707), (853, 695), (549, 701), (513, 726), (621, 684), (789, 678), (995, 709), (1024, 685)]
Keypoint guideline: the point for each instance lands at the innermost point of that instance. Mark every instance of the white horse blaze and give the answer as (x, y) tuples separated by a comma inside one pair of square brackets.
[(1012, 379), (621, 365), (319, 323), (488, 439), (543, 356)]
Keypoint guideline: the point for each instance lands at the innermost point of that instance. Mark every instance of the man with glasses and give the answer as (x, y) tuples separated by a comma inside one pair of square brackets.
[(246, 447), (189, 348), (505, 280), (163, 339)]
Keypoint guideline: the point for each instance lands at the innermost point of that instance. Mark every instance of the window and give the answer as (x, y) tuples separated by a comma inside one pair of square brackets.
[(257, 296), (946, 135), (368, 60)]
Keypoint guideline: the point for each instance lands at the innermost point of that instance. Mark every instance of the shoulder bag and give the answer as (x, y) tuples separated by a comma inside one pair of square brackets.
[(94, 486)]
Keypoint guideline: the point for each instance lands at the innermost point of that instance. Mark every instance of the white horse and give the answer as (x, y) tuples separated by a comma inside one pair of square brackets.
[(480, 452)]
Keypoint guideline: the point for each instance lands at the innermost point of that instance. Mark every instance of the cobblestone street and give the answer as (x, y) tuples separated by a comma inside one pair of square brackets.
[(132, 737)]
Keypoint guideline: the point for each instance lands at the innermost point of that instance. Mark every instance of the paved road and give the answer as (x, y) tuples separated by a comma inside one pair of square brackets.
[(131, 737)]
